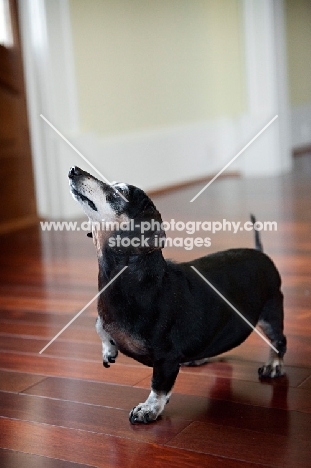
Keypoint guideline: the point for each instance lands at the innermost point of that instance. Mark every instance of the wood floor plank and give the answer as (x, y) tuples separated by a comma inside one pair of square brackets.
[(25, 303), (187, 407), (233, 368), (266, 393), (299, 350), (50, 366), (58, 319), (306, 384), (250, 446), (60, 348), (14, 459), (17, 382), (241, 416), (47, 331), (100, 450), (93, 418), (63, 409), (244, 360), (96, 393), (306, 407), (23, 344)]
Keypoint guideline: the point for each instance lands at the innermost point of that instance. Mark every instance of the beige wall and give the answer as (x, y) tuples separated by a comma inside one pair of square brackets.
[(298, 21), (144, 64)]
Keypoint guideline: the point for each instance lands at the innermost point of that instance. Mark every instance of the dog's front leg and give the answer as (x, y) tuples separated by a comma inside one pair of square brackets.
[(109, 347), (164, 376)]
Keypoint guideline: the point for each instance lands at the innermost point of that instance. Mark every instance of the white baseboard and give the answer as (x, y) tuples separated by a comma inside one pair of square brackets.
[(160, 158), (149, 160), (164, 157), (301, 125)]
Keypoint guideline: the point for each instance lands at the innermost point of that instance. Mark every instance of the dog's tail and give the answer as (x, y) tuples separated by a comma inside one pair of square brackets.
[(258, 243)]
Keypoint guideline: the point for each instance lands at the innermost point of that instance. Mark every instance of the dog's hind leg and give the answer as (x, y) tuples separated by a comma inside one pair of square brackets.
[(164, 376), (271, 323), (109, 347)]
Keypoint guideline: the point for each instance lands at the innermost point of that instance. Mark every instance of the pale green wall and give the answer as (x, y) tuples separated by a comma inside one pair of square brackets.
[(144, 64), (298, 22)]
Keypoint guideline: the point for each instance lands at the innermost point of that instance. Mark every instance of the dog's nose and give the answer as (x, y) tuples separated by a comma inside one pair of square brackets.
[(74, 172)]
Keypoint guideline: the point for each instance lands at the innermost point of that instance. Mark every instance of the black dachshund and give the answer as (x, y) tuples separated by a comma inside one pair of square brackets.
[(162, 313)]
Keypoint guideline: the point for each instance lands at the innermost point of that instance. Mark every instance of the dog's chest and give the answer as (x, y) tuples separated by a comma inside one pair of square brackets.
[(127, 343)]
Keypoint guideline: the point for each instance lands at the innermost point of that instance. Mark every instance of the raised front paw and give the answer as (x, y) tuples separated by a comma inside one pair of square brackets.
[(110, 360), (110, 353)]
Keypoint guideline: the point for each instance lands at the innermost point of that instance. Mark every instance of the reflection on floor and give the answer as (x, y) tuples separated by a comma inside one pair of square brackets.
[(63, 409)]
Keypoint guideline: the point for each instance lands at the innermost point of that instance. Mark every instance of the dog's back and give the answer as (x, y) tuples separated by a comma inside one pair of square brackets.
[(247, 278)]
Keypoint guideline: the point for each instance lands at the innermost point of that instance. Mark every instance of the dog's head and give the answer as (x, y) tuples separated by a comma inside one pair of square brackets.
[(117, 205)]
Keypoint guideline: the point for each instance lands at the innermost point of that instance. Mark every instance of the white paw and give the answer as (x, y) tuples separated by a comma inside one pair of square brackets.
[(150, 410), (110, 353), (143, 414), (109, 347), (272, 369)]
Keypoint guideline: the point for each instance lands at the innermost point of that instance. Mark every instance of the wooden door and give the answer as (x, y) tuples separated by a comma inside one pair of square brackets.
[(17, 197)]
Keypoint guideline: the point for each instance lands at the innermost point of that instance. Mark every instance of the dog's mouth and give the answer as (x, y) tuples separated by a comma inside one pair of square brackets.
[(80, 197), (79, 182)]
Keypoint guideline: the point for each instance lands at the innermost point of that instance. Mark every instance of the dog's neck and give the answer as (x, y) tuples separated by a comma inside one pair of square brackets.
[(112, 259), (99, 239), (139, 265), (101, 236)]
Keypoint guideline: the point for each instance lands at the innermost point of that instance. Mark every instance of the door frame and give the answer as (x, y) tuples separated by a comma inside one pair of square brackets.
[(47, 48)]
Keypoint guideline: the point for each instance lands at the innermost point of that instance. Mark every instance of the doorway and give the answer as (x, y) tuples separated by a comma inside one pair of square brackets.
[(17, 194)]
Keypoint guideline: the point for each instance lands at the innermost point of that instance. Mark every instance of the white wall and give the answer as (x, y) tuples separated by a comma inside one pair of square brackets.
[(220, 84), (159, 85), (142, 64), (298, 41)]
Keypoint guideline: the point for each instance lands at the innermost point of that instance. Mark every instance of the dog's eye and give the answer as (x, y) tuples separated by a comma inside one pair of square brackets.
[(112, 196), (115, 197), (117, 192)]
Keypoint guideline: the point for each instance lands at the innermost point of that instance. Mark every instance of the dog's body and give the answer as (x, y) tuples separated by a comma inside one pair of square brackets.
[(163, 314)]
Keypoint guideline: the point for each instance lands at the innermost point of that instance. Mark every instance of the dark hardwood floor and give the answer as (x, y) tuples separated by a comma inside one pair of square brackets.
[(63, 409)]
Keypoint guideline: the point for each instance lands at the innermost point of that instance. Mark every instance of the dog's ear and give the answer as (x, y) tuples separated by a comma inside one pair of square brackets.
[(157, 239), (157, 236), (156, 233), (146, 235)]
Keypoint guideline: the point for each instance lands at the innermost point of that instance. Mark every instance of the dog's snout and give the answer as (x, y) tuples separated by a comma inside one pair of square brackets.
[(74, 172)]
